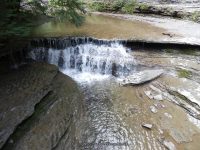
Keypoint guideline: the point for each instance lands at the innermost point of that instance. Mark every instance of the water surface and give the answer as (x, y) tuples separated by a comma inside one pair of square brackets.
[(102, 27)]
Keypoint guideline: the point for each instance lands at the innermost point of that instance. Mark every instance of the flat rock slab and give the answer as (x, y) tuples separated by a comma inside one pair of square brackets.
[(142, 77), (20, 91)]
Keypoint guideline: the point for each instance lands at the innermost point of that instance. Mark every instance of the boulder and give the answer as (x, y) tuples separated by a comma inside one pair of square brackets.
[(52, 124), (142, 77), (20, 91)]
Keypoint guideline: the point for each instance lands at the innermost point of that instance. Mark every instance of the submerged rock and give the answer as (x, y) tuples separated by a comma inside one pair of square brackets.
[(180, 136), (168, 115), (159, 105), (153, 109), (169, 145), (158, 97), (148, 94), (147, 126), (142, 77)]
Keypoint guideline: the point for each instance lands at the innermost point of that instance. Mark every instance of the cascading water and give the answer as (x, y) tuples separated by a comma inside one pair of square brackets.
[(89, 61)]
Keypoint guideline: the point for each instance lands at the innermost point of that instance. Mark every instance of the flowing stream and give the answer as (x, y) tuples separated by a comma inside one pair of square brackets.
[(89, 61), (96, 66)]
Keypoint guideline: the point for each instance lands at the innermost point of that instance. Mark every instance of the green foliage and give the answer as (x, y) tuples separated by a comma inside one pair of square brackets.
[(143, 6), (66, 10), (125, 6), (99, 6), (117, 5), (182, 73), (18, 17), (129, 6), (195, 16)]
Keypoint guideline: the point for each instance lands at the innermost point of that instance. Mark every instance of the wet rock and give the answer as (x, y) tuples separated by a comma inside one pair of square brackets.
[(168, 115), (153, 109), (169, 145), (61, 60), (147, 126), (72, 61), (159, 106), (134, 110), (51, 126), (142, 77), (160, 131), (20, 91), (180, 136), (167, 34), (155, 89), (114, 69), (148, 94), (79, 62), (158, 97)]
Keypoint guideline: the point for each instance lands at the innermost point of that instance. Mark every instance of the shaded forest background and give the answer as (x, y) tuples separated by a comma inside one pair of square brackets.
[(19, 17)]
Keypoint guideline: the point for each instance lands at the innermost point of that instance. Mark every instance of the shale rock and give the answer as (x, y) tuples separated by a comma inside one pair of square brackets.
[(52, 123), (142, 77), (20, 91)]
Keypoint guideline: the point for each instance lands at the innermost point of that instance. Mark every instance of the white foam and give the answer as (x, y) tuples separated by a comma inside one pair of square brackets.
[(89, 62), (85, 77)]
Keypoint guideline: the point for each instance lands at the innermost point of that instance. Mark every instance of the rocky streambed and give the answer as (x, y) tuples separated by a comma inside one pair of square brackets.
[(44, 109), (139, 91)]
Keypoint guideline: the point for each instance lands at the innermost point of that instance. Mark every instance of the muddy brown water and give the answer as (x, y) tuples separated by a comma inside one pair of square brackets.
[(102, 27)]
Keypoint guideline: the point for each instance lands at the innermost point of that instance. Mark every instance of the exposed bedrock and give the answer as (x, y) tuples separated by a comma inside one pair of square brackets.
[(39, 107)]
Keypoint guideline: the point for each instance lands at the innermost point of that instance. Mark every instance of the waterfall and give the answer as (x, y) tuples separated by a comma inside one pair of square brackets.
[(90, 58)]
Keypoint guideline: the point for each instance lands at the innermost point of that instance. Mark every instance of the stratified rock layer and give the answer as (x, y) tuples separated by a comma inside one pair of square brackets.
[(20, 91), (42, 111)]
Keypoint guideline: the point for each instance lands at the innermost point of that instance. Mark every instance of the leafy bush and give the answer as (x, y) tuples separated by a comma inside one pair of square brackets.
[(117, 5), (195, 16), (143, 6), (99, 6), (19, 17), (129, 6)]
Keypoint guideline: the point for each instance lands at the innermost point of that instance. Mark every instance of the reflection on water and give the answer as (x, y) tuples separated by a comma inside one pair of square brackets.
[(102, 27)]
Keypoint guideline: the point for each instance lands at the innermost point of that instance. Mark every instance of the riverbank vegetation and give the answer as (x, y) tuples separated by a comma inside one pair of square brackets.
[(129, 6), (19, 17), (133, 6), (195, 16)]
